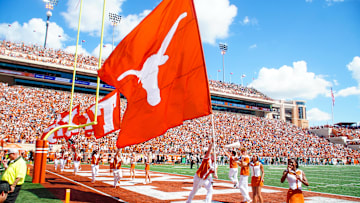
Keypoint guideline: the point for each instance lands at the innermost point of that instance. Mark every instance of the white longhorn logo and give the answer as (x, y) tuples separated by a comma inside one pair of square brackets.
[(148, 75)]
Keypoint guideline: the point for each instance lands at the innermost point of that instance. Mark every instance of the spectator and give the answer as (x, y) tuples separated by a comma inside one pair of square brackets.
[(4, 190), (14, 174)]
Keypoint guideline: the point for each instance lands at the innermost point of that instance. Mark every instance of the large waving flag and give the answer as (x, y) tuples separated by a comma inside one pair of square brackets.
[(160, 69)]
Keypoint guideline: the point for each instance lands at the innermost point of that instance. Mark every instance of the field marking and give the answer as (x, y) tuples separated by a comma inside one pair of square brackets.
[(88, 187), (317, 199), (320, 192)]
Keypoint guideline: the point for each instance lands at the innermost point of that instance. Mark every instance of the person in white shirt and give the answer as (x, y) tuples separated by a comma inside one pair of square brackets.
[(257, 178), (295, 178)]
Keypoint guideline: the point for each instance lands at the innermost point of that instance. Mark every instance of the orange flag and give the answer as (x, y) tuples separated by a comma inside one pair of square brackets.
[(159, 67)]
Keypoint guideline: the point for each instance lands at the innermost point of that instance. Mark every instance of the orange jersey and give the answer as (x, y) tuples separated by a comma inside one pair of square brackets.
[(233, 163), (117, 163), (95, 159), (206, 168), (77, 157), (245, 169)]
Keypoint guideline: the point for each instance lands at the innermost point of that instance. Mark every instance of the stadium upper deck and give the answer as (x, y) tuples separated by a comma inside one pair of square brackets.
[(35, 66)]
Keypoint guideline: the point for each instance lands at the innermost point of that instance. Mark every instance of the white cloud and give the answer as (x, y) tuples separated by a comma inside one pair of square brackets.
[(34, 32), (215, 18), (331, 2), (253, 46), (310, 1), (315, 115), (248, 21), (291, 82), (106, 51), (91, 17), (354, 67), (348, 92), (71, 50)]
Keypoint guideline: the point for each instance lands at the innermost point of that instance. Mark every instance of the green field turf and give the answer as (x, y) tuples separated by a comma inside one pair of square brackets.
[(342, 180)]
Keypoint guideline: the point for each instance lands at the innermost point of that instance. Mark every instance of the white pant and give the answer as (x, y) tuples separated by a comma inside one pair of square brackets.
[(62, 164), (197, 184), (233, 175), (94, 171), (76, 166), (56, 163), (244, 188), (117, 176)]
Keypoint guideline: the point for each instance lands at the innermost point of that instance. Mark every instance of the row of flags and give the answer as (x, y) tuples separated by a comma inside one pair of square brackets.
[(108, 119), (160, 68)]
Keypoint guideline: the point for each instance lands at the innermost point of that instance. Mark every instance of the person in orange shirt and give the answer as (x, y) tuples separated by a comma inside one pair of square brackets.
[(233, 171), (203, 176), (257, 178), (295, 178), (244, 175)]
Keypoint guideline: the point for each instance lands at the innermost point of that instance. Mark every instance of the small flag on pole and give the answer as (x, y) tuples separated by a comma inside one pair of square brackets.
[(83, 40), (332, 97)]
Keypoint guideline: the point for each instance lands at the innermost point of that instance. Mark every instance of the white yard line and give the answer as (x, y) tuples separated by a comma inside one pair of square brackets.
[(88, 187)]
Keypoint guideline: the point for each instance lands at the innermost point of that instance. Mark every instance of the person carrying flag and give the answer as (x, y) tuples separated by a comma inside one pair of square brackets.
[(203, 176)]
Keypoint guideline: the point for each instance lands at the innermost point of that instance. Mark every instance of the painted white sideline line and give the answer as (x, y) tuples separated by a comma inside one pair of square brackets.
[(98, 191)]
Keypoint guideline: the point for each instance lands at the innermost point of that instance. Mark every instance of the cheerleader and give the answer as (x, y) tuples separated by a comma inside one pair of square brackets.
[(295, 178), (95, 158), (118, 160), (147, 168), (57, 159), (132, 166), (257, 178), (77, 159), (63, 156)]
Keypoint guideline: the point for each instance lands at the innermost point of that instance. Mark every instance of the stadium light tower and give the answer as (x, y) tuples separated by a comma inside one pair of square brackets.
[(114, 19), (223, 48), (49, 4)]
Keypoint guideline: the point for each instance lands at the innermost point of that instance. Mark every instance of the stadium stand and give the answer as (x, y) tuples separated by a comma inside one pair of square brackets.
[(27, 111)]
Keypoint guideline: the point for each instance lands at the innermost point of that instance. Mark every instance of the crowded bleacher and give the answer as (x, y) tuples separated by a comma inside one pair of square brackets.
[(27, 111)]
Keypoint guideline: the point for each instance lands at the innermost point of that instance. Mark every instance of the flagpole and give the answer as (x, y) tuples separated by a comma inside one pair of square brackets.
[(213, 136), (332, 112)]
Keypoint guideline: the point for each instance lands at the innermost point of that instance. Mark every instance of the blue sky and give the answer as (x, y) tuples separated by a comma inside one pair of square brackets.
[(289, 50)]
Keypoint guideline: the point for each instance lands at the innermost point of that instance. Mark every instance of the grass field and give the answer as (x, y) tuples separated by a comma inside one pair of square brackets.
[(341, 180)]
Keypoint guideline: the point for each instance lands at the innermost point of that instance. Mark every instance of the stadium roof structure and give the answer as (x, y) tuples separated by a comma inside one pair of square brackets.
[(345, 124)]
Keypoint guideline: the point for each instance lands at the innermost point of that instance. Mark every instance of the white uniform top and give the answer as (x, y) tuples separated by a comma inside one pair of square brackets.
[(293, 182), (255, 169)]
